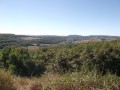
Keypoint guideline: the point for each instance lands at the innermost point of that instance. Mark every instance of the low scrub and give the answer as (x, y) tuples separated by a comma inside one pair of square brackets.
[(80, 81), (67, 81), (6, 81)]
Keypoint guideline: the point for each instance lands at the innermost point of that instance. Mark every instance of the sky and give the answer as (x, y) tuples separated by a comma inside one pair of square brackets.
[(60, 17)]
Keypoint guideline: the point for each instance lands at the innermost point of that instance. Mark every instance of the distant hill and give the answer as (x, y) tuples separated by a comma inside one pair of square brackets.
[(24, 40), (92, 37)]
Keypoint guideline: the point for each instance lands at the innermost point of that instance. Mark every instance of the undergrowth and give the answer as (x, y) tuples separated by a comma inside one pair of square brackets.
[(68, 81)]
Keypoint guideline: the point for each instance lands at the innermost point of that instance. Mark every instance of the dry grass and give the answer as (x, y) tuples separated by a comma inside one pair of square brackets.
[(32, 48), (27, 84), (30, 38), (73, 81), (6, 81)]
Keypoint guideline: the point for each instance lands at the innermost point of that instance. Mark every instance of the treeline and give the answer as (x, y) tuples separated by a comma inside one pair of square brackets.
[(11, 39), (101, 56)]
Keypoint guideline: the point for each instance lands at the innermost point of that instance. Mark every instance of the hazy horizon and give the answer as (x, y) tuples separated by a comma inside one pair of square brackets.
[(60, 35), (60, 17)]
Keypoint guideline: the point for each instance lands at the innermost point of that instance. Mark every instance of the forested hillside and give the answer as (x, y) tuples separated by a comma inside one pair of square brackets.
[(24, 40)]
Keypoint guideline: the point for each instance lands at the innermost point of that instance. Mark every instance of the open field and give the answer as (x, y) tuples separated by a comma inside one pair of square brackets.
[(30, 38), (33, 48)]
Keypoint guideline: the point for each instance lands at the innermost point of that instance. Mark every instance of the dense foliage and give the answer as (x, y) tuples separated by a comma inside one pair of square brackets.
[(102, 56)]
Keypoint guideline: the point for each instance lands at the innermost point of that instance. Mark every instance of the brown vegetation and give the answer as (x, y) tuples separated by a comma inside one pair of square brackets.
[(68, 81)]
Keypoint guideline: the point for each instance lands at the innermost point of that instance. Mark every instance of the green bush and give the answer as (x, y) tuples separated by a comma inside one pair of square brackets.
[(104, 56)]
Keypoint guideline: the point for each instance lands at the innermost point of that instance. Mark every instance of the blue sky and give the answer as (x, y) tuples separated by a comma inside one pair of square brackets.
[(60, 17)]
